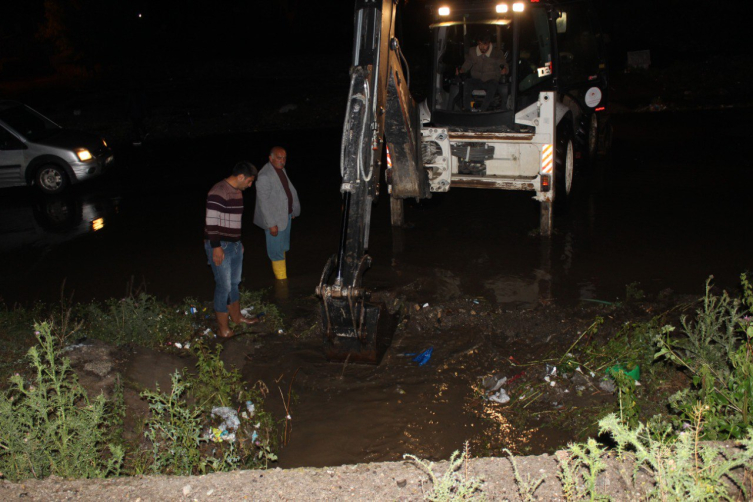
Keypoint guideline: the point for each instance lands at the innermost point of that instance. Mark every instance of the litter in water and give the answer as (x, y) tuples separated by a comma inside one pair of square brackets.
[(500, 397), (424, 356)]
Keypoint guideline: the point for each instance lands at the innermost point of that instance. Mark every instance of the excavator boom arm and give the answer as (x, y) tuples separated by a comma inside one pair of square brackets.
[(379, 107)]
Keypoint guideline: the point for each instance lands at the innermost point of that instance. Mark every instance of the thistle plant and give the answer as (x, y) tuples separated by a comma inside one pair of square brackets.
[(453, 485), (49, 426)]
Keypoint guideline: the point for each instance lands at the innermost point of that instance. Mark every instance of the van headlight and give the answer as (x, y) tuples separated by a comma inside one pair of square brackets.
[(83, 154)]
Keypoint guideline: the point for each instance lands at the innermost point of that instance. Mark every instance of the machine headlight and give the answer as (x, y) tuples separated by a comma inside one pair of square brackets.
[(502, 8), (104, 142), (517, 7), (83, 154), (444, 11)]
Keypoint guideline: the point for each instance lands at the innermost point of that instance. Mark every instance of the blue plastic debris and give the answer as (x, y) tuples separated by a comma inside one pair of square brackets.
[(424, 356)]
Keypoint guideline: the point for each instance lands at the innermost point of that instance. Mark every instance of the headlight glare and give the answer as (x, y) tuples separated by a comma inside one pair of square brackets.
[(83, 154)]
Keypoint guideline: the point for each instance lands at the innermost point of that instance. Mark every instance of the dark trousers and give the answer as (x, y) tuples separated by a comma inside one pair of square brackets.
[(492, 87)]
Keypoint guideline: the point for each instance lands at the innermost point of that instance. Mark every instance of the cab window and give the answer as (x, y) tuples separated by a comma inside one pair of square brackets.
[(535, 63), (577, 45)]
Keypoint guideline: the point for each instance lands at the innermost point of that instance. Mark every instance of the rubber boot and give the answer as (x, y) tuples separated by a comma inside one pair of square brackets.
[(278, 267), (235, 314), (281, 293), (224, 327)]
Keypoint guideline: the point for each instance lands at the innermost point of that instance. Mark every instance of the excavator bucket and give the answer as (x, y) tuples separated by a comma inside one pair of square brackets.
[(351, 331)]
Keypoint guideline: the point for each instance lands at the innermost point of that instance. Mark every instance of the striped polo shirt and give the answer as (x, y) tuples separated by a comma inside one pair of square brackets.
[(224, 213)]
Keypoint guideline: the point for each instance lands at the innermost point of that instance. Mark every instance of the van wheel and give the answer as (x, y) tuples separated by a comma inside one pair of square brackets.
[(51, 179), (564, 167)]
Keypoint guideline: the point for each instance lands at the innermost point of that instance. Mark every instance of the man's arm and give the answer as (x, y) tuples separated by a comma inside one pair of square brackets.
[(468, 63), (215, 207), (263, 199)]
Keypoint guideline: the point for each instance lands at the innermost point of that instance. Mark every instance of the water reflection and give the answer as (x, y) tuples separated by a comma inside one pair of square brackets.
[(29, 220)]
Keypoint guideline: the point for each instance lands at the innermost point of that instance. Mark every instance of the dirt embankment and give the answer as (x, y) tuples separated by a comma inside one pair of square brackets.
[(379, 481)]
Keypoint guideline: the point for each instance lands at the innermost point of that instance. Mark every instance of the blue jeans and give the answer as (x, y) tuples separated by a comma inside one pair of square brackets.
[(276, 246), (227, 276)]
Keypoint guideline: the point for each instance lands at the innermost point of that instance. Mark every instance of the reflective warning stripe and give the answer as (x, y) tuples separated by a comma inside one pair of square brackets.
[(389, 160), (547, 159)]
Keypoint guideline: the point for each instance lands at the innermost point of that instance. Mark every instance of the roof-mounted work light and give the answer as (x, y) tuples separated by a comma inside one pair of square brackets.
[(517, 7), (502, 8), (444, 11)]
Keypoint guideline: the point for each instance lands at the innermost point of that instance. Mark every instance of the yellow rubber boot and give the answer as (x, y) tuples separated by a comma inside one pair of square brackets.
[(278, 267)]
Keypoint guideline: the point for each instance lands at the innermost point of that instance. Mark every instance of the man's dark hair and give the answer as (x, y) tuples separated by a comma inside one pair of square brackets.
[(247, 169), (485, 38)]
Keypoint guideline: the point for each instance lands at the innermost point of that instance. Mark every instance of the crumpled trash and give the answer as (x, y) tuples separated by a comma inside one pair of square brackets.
[(424, 356), (608, 385), (247, 311), (500, 397), (494, 382), (229, 416), (551, 370), (218, 435)]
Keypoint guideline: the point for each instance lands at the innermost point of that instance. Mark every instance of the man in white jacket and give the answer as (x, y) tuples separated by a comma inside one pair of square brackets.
[(276, 205)]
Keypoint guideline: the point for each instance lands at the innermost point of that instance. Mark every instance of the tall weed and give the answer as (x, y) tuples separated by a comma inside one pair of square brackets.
[(453, 485), (174, 430), (683, 468), (50, 426), (715, 348)]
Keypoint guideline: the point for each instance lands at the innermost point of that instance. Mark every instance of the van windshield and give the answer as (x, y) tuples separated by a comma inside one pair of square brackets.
[(28, 123)]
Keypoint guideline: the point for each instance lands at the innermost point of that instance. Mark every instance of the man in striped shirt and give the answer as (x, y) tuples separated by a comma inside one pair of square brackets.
[(222, 243)]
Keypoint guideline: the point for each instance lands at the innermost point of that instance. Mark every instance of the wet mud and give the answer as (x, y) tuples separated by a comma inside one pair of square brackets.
[(659, 212)]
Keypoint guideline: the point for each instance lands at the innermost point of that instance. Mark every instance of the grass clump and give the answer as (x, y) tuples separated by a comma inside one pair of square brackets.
[(49, 426), (138, 319), (452, 485)]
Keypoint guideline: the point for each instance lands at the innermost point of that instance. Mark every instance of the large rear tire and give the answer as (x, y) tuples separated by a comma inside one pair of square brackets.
[(51, 179), (564, 167)]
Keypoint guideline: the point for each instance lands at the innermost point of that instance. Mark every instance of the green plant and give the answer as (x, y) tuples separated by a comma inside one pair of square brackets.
[(255, 301), (213, 385), (715, 347), (526, 487), (452, 485), (682, 468), (580, 466), (629, 407), (50, 426), (173, 430)]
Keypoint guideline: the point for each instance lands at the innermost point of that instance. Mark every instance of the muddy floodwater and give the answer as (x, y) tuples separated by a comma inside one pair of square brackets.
[(667, 209)]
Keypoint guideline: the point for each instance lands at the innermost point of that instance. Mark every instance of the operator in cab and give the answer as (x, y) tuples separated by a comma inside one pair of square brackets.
[(486, 64)]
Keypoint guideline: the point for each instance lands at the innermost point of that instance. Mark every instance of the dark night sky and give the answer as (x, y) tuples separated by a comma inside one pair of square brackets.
[(111, 31)]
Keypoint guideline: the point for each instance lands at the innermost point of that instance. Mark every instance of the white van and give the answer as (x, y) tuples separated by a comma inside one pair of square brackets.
[(35, 150)]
